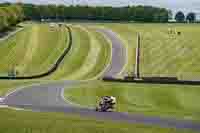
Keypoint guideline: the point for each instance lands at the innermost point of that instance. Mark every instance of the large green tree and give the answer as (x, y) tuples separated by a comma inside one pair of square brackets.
[(10, 15), (3, 20), (191, 17), (180, 17)]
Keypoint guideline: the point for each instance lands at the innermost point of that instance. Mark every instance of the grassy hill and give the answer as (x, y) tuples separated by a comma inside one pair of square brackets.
[(32, 50), (30, 122), (89, 56), (162, 54), (36, 48)]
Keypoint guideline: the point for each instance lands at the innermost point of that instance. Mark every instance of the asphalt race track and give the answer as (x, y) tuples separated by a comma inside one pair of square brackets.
[(118, 54), (49, 97)]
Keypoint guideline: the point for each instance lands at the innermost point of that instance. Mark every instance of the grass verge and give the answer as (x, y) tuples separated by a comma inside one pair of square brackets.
[(162, 54), (29, 122), (160, 100)]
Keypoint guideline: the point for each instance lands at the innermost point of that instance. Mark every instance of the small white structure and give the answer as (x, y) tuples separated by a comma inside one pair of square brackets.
[(42, 20), (172, 21)]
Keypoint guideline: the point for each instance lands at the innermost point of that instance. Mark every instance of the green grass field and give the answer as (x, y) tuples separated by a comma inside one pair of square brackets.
[(162, 54), (160, 100), (32, 50), (89, 56), (29, 122)]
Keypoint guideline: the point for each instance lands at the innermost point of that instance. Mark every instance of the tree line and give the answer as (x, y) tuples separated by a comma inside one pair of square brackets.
[(181, 17), (10, 15), (129, 13)]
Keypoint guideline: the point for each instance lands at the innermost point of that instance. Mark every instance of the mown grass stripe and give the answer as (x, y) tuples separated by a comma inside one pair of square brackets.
[(51, 69)]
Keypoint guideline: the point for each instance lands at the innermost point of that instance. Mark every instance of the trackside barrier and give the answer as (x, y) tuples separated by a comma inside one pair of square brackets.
[(51, 70), (153, 80)]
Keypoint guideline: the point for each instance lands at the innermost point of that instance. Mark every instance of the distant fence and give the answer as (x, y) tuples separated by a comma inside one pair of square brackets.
[(51, 70)]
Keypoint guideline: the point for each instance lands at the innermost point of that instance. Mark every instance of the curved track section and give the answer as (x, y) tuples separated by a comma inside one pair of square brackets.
[(48, 98), (118, 54)]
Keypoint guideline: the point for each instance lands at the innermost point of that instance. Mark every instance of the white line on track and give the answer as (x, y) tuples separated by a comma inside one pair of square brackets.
[(1, 99), (70, 102)]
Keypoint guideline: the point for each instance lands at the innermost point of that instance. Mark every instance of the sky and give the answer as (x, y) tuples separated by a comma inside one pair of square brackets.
[(174, 5)]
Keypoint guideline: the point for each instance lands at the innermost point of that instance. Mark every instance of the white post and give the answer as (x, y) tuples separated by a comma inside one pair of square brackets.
[(137, 64)]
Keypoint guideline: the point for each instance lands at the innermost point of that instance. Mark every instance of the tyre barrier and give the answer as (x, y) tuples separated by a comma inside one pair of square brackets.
[(51, 70)]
